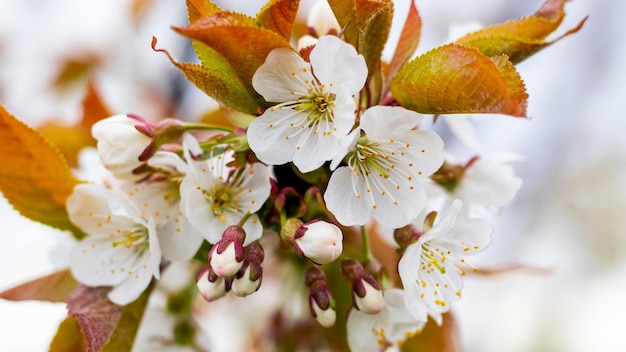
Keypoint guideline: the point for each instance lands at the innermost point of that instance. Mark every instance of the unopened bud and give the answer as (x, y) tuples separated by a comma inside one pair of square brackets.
[(289, 229), (227, 255), (367, 295), (321, 303), (211, 286), (319, 241), (248, 279), (406, 235)]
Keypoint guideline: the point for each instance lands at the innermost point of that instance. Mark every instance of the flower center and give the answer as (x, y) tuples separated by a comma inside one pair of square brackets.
[(138, 238), (223, 199)]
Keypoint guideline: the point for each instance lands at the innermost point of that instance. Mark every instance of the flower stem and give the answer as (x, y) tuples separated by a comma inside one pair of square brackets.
[(205, 126), (366, 245)]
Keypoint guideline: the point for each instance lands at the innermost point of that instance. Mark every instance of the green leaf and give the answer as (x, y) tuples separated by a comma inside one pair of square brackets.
[(219, 82), (242, 45), (366, 25), (34, 176), (55, 287), (407, 44), (457, 79), (521, 38), (279, 16), (68, 337)]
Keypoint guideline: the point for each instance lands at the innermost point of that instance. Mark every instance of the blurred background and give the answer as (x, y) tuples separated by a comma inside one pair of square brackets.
[(565, 231)]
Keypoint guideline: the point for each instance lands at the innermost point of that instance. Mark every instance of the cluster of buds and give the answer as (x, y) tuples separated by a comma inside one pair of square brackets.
[(321, 302), (231, 267), (367, 295)]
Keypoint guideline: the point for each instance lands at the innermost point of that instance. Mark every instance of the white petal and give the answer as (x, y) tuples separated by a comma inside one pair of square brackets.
[(380, 122), (129, 290), (89, 208), (334, 61), (270, 135), (410, 202), (408, 268), (349, 208), (360, 328), (179, 240), (282, 76), (253, 228)]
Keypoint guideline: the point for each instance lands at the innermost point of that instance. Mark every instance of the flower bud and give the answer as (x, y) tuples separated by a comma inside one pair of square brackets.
[(321, 303), (227, 255), (319, 241), (406, 235), (367, 295), (120, 143), (211, 286), (248, 279)]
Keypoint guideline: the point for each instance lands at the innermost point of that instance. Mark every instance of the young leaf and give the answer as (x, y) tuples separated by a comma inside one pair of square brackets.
[(366, 25), (521, 38), (196, 9), (242, 45), (279, 16), (97, 317), (55, 287), (219, 82), (105, 325), (407, 44), (457, 79), (68, 337), (34, 176)]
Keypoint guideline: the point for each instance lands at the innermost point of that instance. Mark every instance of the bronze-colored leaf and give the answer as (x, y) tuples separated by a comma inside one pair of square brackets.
[(220, 82), (459, 79), (34, 176), (279, 16), (68, 337), (55, 287), (521, 38), (196, 9)]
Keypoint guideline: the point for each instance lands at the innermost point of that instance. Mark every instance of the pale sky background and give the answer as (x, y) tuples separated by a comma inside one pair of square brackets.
[(568, 216)]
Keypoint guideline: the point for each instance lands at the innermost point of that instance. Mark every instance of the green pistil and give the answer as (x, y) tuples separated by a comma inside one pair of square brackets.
[(368, 157), (435, 263), (132, 237)]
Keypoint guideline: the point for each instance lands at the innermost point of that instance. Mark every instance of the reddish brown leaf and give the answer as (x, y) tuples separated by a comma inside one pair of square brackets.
[(521, 38), (279, 16), (34, 176), (55, 287), (97, 316), (243, 46), (94, 108), (196, 9), (459, 79), (219, 82), (407, 44)]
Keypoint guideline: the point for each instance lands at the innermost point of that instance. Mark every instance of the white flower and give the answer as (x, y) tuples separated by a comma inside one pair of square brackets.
[(321, 21), (120, 144), (429, 268), (384, 169), (316, 107), (319, 241), (215, 196), (489, 182), (389, 328), (121, 249)]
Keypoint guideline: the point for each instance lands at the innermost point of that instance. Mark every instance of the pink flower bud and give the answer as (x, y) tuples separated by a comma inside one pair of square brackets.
[(321, 303), (325, 318), (371, 302), (367, 295), (319, 241), (227, 255), (211, 286), (248, 279)]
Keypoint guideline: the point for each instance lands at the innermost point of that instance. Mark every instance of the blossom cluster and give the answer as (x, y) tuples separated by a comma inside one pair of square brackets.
[(175, 192)]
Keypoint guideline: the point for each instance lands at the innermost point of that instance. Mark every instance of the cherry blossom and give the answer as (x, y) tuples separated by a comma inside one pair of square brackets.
[(431, 268), (316, 105), (384, 168)]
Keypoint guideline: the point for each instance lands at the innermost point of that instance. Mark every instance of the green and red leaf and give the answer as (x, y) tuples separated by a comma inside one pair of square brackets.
[(68, 337), (521, 38), (105, 325), (34, 176), (279, 16), (55, 287), (458, 79), (219, 82), (407, 44), (197, 9)]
